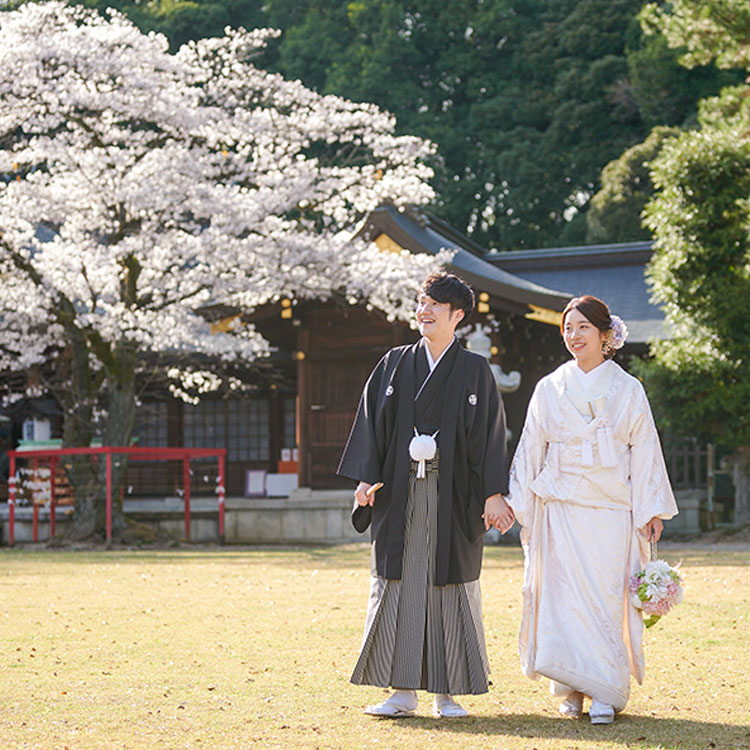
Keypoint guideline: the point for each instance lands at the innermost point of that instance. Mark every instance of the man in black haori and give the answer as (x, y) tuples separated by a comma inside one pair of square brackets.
[(430, 427)]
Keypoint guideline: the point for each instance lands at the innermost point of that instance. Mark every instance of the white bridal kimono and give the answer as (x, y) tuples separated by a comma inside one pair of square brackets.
[(587, 476)]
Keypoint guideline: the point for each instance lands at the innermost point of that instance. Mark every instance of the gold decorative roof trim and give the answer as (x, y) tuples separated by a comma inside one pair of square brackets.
[(385, 243), (543, 315)]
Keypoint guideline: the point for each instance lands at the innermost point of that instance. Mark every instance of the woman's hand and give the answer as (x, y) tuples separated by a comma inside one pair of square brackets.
[(498, 513), (653, 529)]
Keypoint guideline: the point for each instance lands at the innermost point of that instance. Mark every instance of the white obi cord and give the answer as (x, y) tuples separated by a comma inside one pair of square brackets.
[(604, 437), (422, 448), (605, 442)]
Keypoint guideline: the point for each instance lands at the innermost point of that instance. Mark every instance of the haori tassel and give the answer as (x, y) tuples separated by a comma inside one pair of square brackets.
[(422, 448)]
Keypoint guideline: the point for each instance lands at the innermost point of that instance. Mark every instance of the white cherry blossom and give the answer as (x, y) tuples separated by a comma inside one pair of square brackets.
[(141, 187)]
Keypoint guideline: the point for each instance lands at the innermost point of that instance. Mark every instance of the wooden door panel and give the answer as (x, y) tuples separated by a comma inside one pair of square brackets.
[(335, 389), (341, 345)]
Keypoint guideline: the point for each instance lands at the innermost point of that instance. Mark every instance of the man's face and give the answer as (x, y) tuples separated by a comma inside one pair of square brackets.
[(435, 319)]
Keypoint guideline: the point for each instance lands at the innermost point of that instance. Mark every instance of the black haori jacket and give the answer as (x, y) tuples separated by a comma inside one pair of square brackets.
[(460, 399)]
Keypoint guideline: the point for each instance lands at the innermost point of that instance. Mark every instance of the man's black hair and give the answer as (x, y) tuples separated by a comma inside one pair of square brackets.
[(448, 288)]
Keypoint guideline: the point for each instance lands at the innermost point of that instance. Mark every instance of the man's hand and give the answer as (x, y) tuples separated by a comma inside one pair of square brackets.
[(653, 529), (360, 494), (498, 513)]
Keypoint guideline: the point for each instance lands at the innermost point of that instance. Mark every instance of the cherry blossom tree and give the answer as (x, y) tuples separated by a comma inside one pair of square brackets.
[(142, 188)]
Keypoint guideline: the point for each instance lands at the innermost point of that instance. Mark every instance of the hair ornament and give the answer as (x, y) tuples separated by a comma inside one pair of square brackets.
[(616, 335)]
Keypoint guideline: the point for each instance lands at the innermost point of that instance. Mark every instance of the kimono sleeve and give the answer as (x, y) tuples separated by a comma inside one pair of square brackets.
[(528, 461), (651, 491), (495, 454), (362, 456)]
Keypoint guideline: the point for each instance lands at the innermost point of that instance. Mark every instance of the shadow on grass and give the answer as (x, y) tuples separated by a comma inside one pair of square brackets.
[(628, 730)]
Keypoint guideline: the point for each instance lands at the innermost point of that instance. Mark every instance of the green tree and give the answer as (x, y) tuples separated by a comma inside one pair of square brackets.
[(707, 30), (700, 271), (527, 100), (522, 98), (184, 20), (615, 211), (666, 92)]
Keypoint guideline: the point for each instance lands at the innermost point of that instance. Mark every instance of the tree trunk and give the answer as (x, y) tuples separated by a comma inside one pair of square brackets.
[(78, 401), (88, 476), (120, 423), (740, 466)]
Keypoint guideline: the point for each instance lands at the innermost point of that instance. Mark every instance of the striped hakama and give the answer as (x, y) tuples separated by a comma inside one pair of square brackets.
[(417, 635)]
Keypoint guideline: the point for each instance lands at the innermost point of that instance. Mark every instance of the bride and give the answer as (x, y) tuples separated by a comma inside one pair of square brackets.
[(590, 488)]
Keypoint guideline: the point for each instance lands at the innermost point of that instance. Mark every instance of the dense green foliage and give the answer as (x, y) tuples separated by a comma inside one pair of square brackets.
[(700, 272), (700, 380), (666, 94), (614, 213), (707, 30), (527, 100), (522, 98), (183, 20)]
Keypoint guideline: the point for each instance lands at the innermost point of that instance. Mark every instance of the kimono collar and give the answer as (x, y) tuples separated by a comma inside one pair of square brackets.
[(587, 379), (587, 391), (433, 363)]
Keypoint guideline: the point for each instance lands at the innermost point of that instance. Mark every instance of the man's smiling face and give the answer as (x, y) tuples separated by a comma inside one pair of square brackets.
[(436, 320)]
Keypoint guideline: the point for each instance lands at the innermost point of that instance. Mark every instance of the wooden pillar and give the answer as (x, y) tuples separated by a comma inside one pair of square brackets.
[(52, 497), (276, 428), (186, 495), (109, 497), (303, 407)]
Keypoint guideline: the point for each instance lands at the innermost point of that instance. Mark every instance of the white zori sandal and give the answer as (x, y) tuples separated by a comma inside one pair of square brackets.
[(601, 713), (445, 707), (573, 705), (402, 703)]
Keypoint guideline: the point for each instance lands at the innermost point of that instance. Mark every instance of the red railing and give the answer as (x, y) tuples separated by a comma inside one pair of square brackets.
[(135, 453)]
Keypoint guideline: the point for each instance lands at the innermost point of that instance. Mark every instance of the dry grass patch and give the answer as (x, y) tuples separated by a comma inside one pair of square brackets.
[(237, 648)]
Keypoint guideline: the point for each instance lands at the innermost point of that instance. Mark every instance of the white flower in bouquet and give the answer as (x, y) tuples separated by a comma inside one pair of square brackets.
[(655, 590)]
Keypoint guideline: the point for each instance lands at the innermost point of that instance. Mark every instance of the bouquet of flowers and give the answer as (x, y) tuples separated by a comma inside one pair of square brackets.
[(655, 590)]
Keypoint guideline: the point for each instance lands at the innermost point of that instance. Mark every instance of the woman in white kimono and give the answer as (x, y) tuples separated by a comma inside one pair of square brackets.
[(589, 486)]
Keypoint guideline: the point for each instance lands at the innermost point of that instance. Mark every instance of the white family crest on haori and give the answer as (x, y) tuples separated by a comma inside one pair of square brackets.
[(422, 448), (473, 399)]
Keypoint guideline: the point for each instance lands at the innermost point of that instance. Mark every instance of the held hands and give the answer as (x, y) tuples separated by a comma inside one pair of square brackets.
[(653, 529), (498, 513)]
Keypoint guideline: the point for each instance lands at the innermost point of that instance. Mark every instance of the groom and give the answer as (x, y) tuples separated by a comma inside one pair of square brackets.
[(430, 427)]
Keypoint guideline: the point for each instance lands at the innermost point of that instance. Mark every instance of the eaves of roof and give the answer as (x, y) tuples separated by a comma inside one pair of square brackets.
[(584, 256), (418, 232)]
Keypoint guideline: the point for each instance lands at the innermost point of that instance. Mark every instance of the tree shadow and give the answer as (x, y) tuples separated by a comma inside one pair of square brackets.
[(628, 730)]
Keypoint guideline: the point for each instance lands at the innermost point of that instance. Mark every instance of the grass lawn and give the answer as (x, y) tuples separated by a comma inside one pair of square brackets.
[(237, 648)]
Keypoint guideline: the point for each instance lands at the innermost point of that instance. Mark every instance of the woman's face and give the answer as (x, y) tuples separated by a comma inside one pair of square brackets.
[(583, 340)]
